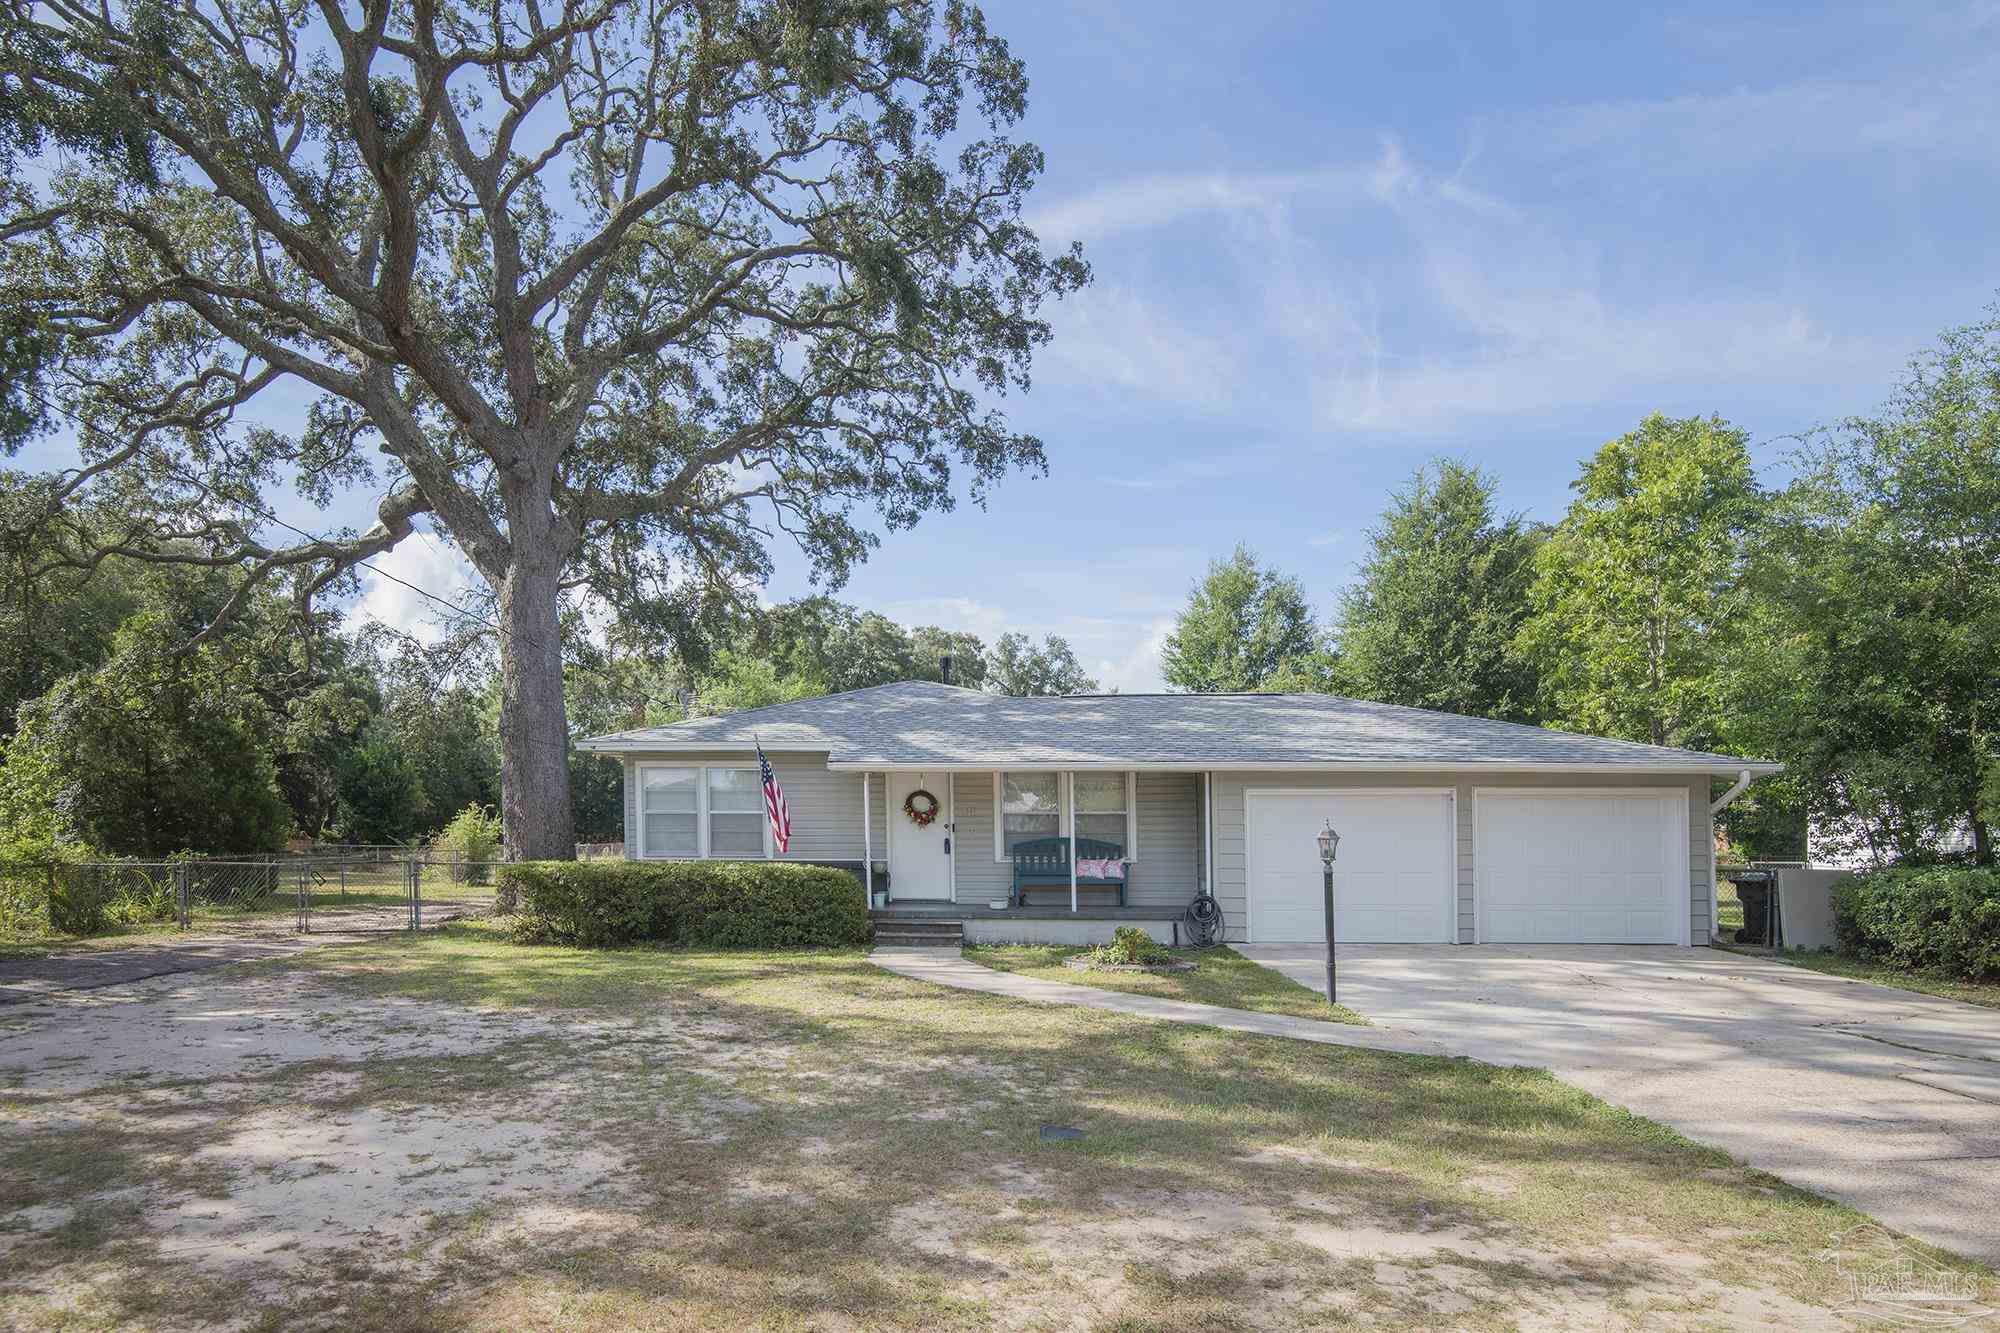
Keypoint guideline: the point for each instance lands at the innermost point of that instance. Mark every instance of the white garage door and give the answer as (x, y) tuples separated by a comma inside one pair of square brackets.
[(1605, 868), (1393, 882)]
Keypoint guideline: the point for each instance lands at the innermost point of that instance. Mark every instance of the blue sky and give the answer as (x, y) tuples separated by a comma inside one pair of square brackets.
[(1332, 242)]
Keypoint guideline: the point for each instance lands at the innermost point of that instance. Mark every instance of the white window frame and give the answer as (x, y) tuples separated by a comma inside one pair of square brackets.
[(1064, 802), (701, 811)]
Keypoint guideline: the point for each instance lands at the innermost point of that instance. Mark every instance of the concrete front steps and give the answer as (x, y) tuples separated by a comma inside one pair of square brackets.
[(914, 933)]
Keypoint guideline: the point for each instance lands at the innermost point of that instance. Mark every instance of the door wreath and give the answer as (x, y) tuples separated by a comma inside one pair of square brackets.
[(921, 807)]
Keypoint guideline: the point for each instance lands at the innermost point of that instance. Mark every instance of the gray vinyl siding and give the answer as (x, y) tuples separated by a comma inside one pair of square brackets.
[(1169, 809), (825, 806), (826, 825), (980, 878), (1230, 821)]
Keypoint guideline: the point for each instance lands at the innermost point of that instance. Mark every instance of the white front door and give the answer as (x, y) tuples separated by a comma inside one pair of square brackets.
[(1393, 879), (919, 856), (1575, 868)]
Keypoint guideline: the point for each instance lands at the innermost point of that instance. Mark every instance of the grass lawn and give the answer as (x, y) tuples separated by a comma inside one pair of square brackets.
[(1728, 907), (1221, 976), (1883, 974), (454, 1132)]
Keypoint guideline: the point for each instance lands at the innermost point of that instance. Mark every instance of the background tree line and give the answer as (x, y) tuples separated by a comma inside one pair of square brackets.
[(1846, 622), (117, 737)]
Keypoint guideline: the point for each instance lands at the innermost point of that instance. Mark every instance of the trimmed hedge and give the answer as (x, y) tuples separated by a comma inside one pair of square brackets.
[(692, 904), (1931, 918)]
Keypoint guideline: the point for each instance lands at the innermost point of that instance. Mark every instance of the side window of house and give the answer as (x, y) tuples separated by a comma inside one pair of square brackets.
[(1030, 807), (735, 814), (669, 805)]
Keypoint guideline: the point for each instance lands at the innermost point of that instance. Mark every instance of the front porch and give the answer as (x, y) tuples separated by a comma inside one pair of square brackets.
[(957, 841)]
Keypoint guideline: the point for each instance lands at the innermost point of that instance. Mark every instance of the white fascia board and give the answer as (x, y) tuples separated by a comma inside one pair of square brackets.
[(1729, 769)]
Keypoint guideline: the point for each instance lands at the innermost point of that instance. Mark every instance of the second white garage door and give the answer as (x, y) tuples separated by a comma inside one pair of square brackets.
[(1581, 868), (1394, 877)]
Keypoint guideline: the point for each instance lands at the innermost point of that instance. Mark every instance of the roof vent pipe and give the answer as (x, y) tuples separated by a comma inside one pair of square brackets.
[(944, 668)]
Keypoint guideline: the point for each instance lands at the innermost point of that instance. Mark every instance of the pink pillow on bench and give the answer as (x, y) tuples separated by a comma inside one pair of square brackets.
[(1108, 869)]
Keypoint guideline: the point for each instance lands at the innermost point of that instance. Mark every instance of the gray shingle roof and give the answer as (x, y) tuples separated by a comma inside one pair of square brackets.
[(922, 723)]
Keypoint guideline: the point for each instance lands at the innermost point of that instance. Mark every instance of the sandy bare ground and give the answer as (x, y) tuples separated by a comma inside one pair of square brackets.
[(273, 1147)]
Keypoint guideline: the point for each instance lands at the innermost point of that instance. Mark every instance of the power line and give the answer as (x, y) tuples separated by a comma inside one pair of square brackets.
[(271, 516)]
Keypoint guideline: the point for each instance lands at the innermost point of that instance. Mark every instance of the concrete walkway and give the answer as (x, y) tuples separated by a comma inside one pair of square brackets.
[(947, 967), (1884, 1099), (26, 979)]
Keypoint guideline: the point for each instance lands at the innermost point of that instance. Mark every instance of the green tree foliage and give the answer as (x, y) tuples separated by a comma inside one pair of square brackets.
[(1442, 594), (738, 681), (1638, 592), (1016, 666), (156, 751), (930, 646), (1873, 665), (53, 620), (377, 791), (605, 295), (1241, 625)]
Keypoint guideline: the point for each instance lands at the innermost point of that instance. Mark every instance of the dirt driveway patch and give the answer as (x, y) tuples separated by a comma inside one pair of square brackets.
[(455, 1132)]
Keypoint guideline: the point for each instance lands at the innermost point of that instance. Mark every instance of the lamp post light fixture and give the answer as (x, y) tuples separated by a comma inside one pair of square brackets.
[(1329, 846)]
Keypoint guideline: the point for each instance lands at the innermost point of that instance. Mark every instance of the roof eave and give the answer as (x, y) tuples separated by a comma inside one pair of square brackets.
[(1730, 768), (1724, 767)]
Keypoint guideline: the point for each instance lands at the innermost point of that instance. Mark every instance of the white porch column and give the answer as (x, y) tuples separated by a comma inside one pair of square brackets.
[(867, 844), (1069, 800), (1208, 832)]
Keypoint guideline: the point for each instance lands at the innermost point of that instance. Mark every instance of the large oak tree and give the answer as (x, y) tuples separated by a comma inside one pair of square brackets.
[(608, 292)]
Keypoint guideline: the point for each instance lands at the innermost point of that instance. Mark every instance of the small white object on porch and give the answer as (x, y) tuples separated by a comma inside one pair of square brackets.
[(1069, 795)]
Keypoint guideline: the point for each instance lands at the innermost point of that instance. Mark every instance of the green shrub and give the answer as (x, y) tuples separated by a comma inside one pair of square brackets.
[(142, 896), (1129, 945), (24, 900), (1931, 918), (80, 901), (698, 904), (471, 844)]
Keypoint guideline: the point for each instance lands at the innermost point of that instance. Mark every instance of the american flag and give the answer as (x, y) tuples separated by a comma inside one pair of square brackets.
[(774, 804)]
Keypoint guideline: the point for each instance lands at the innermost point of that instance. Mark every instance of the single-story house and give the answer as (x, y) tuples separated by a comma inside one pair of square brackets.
[(1056, 818)]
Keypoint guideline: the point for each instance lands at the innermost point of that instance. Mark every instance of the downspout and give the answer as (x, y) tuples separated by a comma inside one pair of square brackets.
[(1728, 798), (1716, 807)]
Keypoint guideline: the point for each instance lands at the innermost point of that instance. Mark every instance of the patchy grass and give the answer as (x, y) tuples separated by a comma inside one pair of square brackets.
[(1221, 976), (457, 1132), (1728, 907), (42, 943), (1940, 984)]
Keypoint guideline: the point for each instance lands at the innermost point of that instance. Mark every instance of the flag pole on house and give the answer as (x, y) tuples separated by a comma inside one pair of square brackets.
[(775, 808)]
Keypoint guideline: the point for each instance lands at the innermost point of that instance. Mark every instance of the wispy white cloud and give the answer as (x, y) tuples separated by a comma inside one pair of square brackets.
[(1114, 338), (1954, 113), (427, 563), (1461, 304), (1160, 200)]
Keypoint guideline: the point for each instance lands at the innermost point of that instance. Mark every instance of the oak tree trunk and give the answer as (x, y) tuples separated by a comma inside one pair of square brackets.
[(534, 729)]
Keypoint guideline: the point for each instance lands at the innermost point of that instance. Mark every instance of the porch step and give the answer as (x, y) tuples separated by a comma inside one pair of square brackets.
[(919, 934)]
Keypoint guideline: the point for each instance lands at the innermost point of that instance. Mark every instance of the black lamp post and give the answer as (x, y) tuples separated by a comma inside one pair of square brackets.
[(1329, 844)]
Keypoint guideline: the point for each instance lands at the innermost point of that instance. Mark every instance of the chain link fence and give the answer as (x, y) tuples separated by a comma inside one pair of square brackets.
[(359, 891)]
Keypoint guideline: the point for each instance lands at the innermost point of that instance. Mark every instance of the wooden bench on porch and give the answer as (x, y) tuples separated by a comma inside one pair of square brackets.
[(1044, 863)]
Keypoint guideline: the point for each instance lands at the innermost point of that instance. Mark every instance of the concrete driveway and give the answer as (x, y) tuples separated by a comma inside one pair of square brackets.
[(1883, 1099)]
